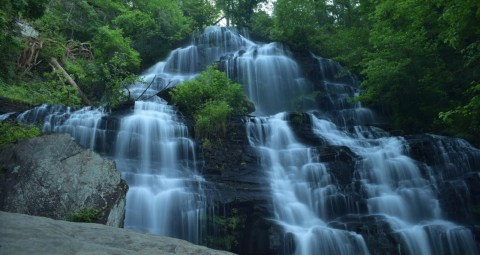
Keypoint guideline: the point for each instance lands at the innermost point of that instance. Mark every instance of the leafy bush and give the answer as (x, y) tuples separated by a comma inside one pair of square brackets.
[(85, 215), (13, 131), (212, 118), (211, 98), (39, 92)]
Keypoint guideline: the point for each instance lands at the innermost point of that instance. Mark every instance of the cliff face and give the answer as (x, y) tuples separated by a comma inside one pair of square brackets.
[(53, 176), (24, 234), (240, 193)]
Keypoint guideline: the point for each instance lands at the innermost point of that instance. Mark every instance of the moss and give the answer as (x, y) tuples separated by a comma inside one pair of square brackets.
[(229, 231), (297, 119), (39, 92), (85, 215), (13, 131)]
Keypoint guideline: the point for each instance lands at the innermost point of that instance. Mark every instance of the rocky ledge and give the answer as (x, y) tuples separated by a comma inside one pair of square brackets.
[(24, 234), (52, 176)]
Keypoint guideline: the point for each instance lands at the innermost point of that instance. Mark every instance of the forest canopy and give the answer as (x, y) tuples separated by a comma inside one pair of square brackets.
[(100, 44), (419, 61)]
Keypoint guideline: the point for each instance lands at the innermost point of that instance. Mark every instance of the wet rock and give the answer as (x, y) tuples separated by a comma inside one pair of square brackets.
[(241, 191), (301, 124), (53, 176), (455, 166), (375, 230), (232, 164), (340, 162), (8, 105), (23, 234)]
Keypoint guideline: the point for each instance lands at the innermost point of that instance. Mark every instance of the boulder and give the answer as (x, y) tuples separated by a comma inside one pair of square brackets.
[(24, 234), (53, 176)]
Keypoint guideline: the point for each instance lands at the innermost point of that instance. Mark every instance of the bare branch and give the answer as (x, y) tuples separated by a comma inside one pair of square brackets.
[(153, 80)]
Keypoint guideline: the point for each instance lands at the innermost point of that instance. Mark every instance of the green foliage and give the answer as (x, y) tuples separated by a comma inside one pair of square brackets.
[(464, 120), (117, 78), (14, 131), (201, 13), (11, 43), (109, 43), (211, 118), (38, 92), (77, 20), (85, 215), (211, 98), (410, 60), (230, 228), (261, 25), (238, 12), (100, 43)]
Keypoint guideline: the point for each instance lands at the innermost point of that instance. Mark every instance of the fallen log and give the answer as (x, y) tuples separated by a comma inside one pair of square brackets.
[(82, 95)]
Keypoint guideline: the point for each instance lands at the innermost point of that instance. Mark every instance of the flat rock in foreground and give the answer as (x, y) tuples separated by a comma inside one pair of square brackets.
[(24, 234)]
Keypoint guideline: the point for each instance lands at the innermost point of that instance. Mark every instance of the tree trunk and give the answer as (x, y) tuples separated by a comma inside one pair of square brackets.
[(82, 95)]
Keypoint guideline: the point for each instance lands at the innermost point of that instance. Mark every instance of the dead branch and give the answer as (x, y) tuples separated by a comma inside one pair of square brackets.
[(164, 88), (153, 80), (29, 57)]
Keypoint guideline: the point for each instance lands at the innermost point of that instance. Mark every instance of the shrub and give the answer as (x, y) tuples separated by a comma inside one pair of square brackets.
[(210, 99), (211, 118), (13, 131), (40, 92)]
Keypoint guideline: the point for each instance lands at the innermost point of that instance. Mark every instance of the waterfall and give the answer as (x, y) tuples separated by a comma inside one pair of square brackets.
[(300, 185), (396, 189), (157, 159), (305, 196), (383, 193), (152, 151)]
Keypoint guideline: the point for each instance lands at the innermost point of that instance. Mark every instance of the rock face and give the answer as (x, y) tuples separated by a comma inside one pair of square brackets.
[(53, 176), (241, 194), (455, 166), (23, 234)]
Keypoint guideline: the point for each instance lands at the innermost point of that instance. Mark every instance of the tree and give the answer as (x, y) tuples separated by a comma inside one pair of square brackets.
[(238, 12), (200, 12)]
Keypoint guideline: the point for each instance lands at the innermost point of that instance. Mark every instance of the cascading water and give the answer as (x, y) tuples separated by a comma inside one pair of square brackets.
[(299, 184), (395, 188), (271, 78), (166, 196), (303, 191), (157, 159), (155, 156)]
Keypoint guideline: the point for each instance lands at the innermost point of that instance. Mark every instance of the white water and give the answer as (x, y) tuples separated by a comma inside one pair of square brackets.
[(303, 191), (156, 157), (396, 189), (290, 166), (271, 78)]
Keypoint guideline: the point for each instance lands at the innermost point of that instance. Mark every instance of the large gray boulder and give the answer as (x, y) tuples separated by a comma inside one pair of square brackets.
[(53, 176), (24, 234)]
